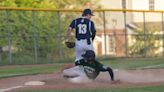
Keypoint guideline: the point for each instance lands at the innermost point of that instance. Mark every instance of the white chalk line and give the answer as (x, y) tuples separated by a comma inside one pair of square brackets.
[(152, 66), (11, 88)]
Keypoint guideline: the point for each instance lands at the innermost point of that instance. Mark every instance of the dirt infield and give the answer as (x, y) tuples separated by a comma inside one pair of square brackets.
[(56, 81)]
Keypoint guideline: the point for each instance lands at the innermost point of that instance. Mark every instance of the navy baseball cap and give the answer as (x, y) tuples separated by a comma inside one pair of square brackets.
[(87, 11), (89, 55)]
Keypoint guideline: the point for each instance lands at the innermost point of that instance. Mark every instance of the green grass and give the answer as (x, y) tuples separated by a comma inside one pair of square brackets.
[(133, 89), (134, 63), (21, 70), (116, 63)]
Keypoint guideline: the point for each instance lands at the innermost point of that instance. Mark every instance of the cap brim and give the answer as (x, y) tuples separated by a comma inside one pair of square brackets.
[(89, 14), (84, 56), (92, 14)]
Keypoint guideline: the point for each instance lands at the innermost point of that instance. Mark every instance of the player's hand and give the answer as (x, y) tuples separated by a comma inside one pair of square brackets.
[(70, 44)]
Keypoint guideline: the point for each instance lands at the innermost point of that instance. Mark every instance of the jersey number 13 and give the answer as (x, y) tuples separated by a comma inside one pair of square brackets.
[(82, 28)]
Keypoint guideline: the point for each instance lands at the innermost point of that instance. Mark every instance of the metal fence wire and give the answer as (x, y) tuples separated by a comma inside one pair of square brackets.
[(37, 35)]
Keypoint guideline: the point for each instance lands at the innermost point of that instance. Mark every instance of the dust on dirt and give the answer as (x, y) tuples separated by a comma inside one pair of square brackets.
[(123, 78)]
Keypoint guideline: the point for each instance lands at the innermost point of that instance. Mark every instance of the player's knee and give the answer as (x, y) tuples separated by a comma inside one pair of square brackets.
[(110, 69)]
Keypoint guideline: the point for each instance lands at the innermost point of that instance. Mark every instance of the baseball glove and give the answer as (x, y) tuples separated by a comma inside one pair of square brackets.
[(70, 44)]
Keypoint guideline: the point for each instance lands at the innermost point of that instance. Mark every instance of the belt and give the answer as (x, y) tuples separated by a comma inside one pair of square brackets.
[(78, 39), (88, 40)]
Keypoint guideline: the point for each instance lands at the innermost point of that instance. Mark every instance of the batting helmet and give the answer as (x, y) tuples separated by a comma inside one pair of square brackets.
[(89, 55), (87, 11)]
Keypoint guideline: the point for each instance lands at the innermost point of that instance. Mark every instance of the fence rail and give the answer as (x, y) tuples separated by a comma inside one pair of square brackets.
[(29, 35), (78, 10)]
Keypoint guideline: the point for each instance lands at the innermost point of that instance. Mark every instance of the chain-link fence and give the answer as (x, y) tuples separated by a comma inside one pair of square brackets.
[(30, 36)]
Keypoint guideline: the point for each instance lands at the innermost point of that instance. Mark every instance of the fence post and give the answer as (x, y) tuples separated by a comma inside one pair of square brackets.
[(59, 35), (145, 36), (163, 32), (126, 39), (104, 20), (34, 38), (9, 36)]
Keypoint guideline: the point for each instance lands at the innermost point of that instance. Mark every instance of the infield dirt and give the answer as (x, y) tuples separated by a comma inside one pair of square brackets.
[(124, 78)]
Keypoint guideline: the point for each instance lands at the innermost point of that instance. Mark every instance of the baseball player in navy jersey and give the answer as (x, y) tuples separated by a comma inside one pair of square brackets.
[(84, 32)]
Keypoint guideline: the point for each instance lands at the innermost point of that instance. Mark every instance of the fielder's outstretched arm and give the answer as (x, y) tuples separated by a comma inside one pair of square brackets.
[(68, 34)]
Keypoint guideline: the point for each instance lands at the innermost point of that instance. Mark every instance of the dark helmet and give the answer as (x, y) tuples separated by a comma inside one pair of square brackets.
[(87, 11), (89, 55)]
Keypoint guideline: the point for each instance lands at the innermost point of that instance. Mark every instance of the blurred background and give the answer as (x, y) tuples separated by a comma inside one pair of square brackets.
[(33, 31)]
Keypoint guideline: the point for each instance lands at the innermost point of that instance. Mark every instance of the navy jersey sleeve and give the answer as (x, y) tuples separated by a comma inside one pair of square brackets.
[(72, 25), (93, 30)]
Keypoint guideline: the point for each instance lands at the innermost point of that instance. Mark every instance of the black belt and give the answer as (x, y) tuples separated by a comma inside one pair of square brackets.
[(88, 40)]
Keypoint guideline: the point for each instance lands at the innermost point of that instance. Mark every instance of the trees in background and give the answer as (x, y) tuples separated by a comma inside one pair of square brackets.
[(41, 31), (147, 42)]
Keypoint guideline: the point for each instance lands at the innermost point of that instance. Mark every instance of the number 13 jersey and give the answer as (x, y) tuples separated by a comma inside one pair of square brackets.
[(84, 28)]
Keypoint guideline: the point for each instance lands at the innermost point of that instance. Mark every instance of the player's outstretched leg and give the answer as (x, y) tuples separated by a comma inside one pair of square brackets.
[(110, 70)]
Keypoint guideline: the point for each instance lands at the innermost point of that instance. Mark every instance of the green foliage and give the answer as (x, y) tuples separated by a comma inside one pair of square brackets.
[(55, 4), (40, 31), (76, 4), (146, 43), (28, 3)]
